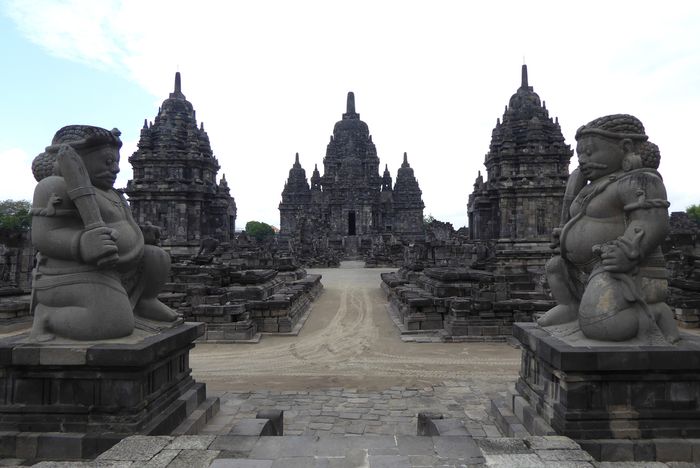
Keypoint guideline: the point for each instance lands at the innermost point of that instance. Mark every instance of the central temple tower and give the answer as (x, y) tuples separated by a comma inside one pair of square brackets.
[(351, 199), (351, 181)]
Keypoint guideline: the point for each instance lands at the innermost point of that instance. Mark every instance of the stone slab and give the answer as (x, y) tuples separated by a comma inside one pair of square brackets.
[(136, 448)]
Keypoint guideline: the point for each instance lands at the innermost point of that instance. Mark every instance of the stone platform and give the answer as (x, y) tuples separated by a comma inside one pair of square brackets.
[(70, 400), (612, 398), (464, 304), (239, 305)]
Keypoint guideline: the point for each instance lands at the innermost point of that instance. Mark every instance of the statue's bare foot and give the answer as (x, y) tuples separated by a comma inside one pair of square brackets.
[(153, 309), (557, 315), (39, 330), (43, 337), (663, 315)]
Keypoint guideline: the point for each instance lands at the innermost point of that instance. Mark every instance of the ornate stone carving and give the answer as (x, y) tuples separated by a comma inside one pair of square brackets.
[(174, 184), (610, 279), (351, 198), (94, 273)]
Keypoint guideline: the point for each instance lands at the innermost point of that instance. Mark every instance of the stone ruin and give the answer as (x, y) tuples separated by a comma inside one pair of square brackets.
[(682, 252), (235, 285), (17, 262), (344, 211), (241, 290), (478, 285)]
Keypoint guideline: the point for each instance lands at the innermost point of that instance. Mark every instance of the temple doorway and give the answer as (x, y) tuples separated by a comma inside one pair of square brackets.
[(351, 223)]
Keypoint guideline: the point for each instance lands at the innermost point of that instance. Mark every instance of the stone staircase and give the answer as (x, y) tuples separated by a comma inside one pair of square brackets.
[(239, 449)]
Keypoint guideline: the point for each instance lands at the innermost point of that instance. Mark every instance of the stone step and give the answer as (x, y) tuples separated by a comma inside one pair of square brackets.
[(516, 418), (430, 424), (199, 418), (506, 421), (368, 451)]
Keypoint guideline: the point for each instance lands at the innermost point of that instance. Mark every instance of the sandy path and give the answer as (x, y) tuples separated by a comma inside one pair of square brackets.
[(348, 341)]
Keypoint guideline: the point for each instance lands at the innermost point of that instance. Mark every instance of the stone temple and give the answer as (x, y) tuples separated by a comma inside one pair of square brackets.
[(174, 184), (527, 167), (351, 202)]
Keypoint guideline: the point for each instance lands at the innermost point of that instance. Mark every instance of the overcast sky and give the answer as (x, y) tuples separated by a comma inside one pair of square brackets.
[(270, 78)]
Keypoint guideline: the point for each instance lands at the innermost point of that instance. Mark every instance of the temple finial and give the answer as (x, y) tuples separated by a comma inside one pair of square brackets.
[(405, 160), (351, 103), (523, 83), (178, 85), (145, 123), (296, 160)]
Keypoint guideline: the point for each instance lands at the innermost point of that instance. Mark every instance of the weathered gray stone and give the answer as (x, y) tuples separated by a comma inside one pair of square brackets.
[(162, 459), (611, 249), (240, 463), (290, 446), (106, 237), (89, 464), (174, 184), (136, 448), (551, 443), (295, 462), (193, 458), (350, 207), (513, 460), (503, 445), (387, 461), (576, 381), (191, 442), (462, 447), (564, 455)]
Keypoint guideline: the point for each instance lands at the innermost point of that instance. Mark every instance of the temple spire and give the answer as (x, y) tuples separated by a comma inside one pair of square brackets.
[(523, 83), (405, 160), (178, 85), (351, 103)]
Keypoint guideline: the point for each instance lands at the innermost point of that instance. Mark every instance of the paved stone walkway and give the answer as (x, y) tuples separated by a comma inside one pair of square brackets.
[(349, 411)]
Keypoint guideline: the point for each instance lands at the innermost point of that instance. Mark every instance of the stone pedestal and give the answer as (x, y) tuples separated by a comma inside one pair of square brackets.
[(611, 392), (75, 400)]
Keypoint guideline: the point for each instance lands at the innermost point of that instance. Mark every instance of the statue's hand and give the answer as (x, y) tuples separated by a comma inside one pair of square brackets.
[(615, 258), (554, 244), (98, 246)]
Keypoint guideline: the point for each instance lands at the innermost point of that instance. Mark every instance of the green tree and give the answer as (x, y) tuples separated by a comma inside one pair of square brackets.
[(14, 215), (694, 212), (259, 230)]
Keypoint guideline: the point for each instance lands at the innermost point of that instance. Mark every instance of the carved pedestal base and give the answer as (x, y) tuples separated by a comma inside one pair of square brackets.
[(611, 392), (74, 400)]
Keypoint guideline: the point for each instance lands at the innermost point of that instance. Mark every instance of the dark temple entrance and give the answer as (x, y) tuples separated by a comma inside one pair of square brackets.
[(351, 223)]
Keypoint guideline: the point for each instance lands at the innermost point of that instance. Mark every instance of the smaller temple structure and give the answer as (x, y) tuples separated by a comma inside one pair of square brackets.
[(174, 184), (527, 166), (475, 288)]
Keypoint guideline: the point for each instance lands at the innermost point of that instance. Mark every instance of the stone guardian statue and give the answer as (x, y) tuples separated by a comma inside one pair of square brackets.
[(94, 273), (610, 277)]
